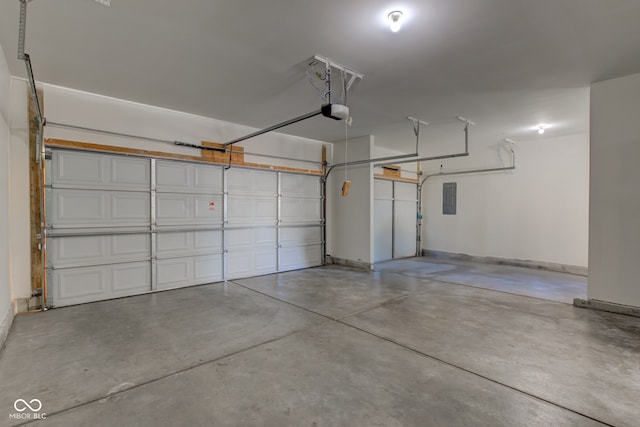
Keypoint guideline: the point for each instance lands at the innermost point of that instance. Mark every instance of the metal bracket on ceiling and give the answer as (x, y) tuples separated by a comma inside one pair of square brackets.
[(466, 121), (351, 74), (416, 124)]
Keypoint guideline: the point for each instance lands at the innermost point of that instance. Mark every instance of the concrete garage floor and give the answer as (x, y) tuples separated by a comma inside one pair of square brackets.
[(331, 346)]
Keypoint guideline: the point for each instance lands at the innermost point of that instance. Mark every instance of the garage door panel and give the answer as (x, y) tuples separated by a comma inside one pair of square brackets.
[(208, 269), (251, 237), (78, 168), (301, 210), (198, 235), (241, 264), (183, 177), (91, 250), (252, 210), (189, 271), (300, 257), (300, 235), (78, 207), (71, 250), (186, 243), (300, 185), (87, 284), (207, 208), (130, 278), (82, 170), (256, 182), (75, 208), (172, 207), (383, 231), (406, 191), (395, 209), (129, 172), (131, 245), (404, 229), (130, 206), (176, 242), (208, 240), (208, 178), (172, 176), (79, 284), (188, 209), (174, 272), (383, 189)]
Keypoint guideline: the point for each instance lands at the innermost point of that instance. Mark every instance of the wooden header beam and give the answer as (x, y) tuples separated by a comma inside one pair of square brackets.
[(215, 157)]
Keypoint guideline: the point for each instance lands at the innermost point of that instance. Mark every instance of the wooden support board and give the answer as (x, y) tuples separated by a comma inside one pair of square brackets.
[(237, 153), (36, 175), (221, 158), (391, 171)]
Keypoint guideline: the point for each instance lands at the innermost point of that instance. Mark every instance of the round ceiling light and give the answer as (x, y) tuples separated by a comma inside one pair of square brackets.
[(542, 128), (395, 20)]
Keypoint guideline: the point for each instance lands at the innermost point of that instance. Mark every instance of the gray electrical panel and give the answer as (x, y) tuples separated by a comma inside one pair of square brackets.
[(449, 198)]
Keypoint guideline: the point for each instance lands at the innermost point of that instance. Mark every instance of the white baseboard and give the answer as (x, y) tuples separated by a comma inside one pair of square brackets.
[(5, 324), (610, 307), (540, 265), (348, 263)]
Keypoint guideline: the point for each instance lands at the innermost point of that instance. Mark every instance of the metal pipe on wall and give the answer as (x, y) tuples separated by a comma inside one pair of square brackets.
[(27, 60), (126, 135), (177, 143), (444, 156), (416, 131)]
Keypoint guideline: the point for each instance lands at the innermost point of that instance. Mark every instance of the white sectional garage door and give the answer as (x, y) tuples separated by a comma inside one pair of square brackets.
[(395, 210), (120, 226)]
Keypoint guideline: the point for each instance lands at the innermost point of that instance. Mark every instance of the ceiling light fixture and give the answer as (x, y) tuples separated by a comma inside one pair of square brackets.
[(395, 20), (542, 128)]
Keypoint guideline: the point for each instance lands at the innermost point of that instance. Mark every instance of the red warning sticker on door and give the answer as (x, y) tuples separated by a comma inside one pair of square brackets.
[(212, 205)]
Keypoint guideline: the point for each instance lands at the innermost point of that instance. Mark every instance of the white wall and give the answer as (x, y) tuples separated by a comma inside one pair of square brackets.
[(67, 106), (539, 212), (350, 219), (6, 311), (20, 234), (615, 199)]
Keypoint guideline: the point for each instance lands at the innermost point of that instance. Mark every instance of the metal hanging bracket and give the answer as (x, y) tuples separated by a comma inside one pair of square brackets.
[(466, 121), (351, 74), (327, 110), (416, 125)]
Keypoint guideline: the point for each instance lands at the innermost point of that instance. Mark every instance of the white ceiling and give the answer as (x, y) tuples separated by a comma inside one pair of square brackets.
[(507, 64)]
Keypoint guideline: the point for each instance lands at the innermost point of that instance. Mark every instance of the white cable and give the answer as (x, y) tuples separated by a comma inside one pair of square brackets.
[(346, 148), (321, 91), (500, 154)]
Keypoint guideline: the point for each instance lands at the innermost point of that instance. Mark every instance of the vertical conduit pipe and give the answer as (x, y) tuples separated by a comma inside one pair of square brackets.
[(41, 121)]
